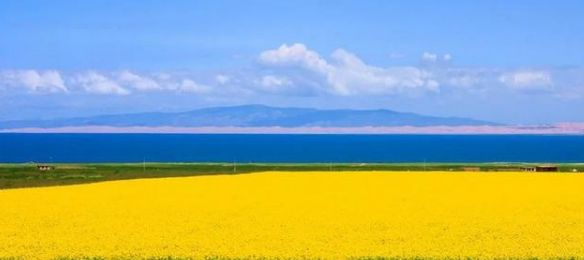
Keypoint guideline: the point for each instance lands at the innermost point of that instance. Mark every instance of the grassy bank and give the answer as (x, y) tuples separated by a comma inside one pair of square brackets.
[(27, 175)]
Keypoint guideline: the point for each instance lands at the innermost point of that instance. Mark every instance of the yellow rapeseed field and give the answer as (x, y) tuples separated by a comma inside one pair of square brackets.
[(307, 215)]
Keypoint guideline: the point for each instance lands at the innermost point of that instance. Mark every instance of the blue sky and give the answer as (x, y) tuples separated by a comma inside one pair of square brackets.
[(505, 61)]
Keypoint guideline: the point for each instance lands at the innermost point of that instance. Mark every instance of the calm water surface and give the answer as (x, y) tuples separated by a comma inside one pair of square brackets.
[(288, 148)]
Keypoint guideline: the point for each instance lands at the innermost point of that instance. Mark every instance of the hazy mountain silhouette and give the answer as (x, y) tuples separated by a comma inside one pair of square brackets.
[(255, 116)]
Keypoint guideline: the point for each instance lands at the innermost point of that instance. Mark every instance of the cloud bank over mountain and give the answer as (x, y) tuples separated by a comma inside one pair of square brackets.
[(296, 75), (295, 69)]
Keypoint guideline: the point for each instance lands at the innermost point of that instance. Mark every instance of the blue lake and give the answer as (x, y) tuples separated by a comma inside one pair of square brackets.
[(289, 148)]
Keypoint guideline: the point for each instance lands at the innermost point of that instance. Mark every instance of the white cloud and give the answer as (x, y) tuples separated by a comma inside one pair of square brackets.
[(272, 82), (138, 82), (96, 83), (188, 85), (222, 79), (34, 81), (527, 79), (428, 57), (467, 78), (346, 74), (447, 57), (295, 55), (297, 71), (162, 76), (353, 76)]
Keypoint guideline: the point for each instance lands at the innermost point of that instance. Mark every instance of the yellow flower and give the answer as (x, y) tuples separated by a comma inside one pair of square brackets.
[(289, 215)]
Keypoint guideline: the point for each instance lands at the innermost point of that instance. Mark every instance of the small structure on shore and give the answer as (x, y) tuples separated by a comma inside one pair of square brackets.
[(44, 167), (540, 168), (471, 169)]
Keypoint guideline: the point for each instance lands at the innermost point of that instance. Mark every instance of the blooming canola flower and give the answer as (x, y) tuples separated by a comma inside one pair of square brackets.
[(288, 215)]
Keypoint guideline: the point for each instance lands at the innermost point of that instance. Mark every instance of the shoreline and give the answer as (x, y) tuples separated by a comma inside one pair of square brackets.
[(556, 129), (27, 175)]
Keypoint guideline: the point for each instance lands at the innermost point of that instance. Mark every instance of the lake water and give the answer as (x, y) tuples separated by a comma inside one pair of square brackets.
[(288, 148)]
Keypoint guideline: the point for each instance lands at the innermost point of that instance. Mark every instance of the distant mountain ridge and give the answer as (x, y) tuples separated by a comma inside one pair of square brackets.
[(254, 116)]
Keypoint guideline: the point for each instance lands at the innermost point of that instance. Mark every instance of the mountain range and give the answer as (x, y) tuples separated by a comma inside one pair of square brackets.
[(254, 116)]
